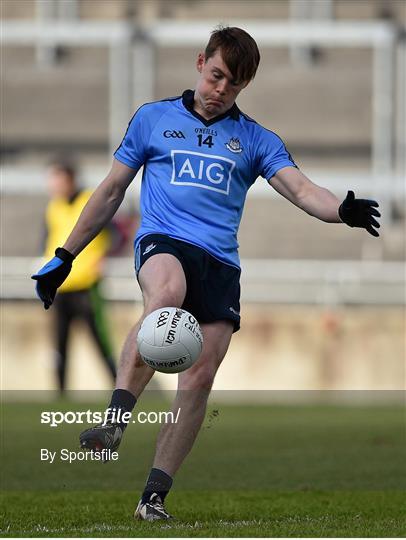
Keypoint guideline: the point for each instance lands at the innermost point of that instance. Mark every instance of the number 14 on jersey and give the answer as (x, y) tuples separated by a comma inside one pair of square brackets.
[(208, 141)]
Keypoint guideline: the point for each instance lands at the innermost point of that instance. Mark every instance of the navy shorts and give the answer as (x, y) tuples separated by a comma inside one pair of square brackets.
[(213, 287)]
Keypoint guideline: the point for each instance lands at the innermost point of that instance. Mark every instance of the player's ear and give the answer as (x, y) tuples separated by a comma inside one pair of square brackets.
[(200, 62)]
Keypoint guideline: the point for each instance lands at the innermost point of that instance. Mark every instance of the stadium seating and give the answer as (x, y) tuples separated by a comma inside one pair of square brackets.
[(325, 122)]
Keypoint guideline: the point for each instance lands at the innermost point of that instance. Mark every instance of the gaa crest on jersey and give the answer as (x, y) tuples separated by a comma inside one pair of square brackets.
[(234, 145), (202, 170)]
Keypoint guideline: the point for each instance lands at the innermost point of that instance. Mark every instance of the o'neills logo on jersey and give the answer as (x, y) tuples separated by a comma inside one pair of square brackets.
[(202, 170), (234, 145)]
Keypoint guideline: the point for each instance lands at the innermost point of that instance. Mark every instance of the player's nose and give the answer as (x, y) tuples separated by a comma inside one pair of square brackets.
[(222, 87)]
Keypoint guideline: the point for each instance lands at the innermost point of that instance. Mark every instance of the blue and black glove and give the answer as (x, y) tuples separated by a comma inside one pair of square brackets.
[(52, 275), (360, 213)]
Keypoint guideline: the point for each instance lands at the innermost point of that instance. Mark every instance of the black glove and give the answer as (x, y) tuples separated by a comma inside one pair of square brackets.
[(52, 275), (359, 213)]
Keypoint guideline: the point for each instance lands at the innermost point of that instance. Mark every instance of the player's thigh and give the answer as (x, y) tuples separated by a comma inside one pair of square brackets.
[(162, 281), (216, 340)]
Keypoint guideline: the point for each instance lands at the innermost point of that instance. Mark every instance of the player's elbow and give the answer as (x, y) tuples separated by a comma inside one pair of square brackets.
[(303, 197), (113, 191), (320, 203)]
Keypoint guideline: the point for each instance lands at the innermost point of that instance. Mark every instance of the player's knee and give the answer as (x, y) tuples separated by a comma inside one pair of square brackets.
[(199, 377), (168, 295)]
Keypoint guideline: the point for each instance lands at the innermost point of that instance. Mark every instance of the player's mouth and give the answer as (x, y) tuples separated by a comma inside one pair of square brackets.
[(216, 102)]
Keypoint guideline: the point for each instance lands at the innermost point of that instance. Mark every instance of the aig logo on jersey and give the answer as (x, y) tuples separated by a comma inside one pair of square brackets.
[(202, 170)]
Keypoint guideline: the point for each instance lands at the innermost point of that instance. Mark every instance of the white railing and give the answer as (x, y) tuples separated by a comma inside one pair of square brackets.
[(133, 66), (31, 179), (117, 36), (263, 280)]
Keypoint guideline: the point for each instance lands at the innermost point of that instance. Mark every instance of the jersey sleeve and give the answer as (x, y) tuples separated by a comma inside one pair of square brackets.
[(133, 148), (271, 154)]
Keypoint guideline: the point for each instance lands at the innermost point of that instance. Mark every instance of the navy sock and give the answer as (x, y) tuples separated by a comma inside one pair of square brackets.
[(123, 401), (158, 482)]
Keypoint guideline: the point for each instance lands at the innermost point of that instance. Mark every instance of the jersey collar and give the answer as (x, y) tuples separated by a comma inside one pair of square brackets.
[(188, 99)]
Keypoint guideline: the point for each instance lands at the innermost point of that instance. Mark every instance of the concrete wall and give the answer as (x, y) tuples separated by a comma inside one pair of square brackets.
[(281, 348)]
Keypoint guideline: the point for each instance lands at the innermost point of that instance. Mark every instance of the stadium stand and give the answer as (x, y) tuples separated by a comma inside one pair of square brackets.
[(322, 111), (57, 99)]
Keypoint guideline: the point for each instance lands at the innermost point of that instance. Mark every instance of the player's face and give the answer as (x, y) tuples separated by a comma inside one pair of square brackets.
[(60, 184), (216, 89)]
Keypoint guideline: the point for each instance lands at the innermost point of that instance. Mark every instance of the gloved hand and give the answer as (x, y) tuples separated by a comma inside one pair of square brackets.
[(359, 213), (52, 275)]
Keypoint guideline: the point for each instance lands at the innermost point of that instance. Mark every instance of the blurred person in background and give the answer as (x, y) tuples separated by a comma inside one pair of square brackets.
[(200, 155), (79, 298)]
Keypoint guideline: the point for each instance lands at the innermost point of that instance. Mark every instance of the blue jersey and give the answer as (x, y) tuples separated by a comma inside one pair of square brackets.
[(197, 172)]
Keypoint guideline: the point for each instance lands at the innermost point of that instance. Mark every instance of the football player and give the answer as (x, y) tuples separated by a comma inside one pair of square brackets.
[(200, 154)]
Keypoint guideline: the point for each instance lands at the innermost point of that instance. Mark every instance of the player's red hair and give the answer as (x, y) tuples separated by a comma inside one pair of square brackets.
[(238, 50)]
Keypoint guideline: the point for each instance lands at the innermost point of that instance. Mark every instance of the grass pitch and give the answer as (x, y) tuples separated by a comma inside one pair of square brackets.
[(209, 514), (319, 471)]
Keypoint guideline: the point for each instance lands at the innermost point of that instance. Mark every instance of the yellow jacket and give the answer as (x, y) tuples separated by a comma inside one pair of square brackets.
[(61, 216)]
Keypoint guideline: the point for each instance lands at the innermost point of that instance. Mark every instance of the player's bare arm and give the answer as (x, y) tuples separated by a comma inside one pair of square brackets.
[(302, 192), (101, 207), (323, 204), (99, 210)]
